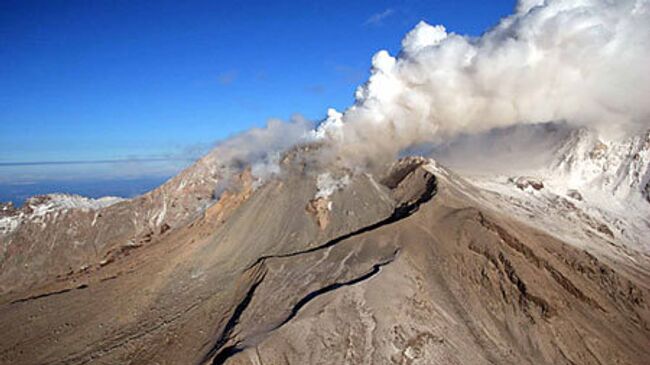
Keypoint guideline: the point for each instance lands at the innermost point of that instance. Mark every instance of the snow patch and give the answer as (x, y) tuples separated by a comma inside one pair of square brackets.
[(583, 218), (38, 208), (8, 224), (44, 204), (606, 170)]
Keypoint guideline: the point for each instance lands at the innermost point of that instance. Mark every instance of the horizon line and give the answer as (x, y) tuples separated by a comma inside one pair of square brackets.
[(91, 162)]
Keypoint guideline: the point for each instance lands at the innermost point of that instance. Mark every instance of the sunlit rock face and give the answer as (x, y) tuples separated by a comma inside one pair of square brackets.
[(404, 265), (485, 200)]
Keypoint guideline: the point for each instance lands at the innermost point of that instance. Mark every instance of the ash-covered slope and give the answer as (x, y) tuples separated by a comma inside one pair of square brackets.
[(589, 192), (532, 248), (468, 285), (324, 265), (60, 235)]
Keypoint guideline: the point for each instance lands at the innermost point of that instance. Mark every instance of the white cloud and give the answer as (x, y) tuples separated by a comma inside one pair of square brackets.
[(378, 18), (582, 61)]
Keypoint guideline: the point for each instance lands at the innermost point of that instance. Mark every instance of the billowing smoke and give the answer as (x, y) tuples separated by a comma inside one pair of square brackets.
[(261, 146), (586, 62), (257, 148)]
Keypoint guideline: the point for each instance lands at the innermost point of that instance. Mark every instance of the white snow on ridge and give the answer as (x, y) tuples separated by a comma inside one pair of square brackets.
[(52, 202), (579, 219), (593, 195), (8, 225), (37, 208), (619, 169)]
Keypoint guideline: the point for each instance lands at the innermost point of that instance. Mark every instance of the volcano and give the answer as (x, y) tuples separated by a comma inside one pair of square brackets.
[(410, 262)]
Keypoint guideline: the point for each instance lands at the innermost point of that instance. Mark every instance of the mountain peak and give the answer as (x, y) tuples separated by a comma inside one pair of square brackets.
[(620, 168)]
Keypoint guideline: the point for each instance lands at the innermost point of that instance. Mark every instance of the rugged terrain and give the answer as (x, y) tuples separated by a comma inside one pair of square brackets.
[(412, 264)]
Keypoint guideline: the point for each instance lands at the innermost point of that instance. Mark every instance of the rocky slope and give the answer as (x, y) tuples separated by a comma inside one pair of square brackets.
[(413, 264), (59, 235), (592, 194)]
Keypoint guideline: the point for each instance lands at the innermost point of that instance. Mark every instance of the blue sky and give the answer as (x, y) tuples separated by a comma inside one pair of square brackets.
[(131, 80)]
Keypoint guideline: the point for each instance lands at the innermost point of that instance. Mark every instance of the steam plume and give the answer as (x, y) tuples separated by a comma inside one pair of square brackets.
[(586, 62), (259, 148)]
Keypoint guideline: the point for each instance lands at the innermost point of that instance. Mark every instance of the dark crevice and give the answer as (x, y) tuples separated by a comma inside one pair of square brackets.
[(218, 351), (228, 352), (44, 295), (311, 296), (399, 213), (225, 354), (220, 354)]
